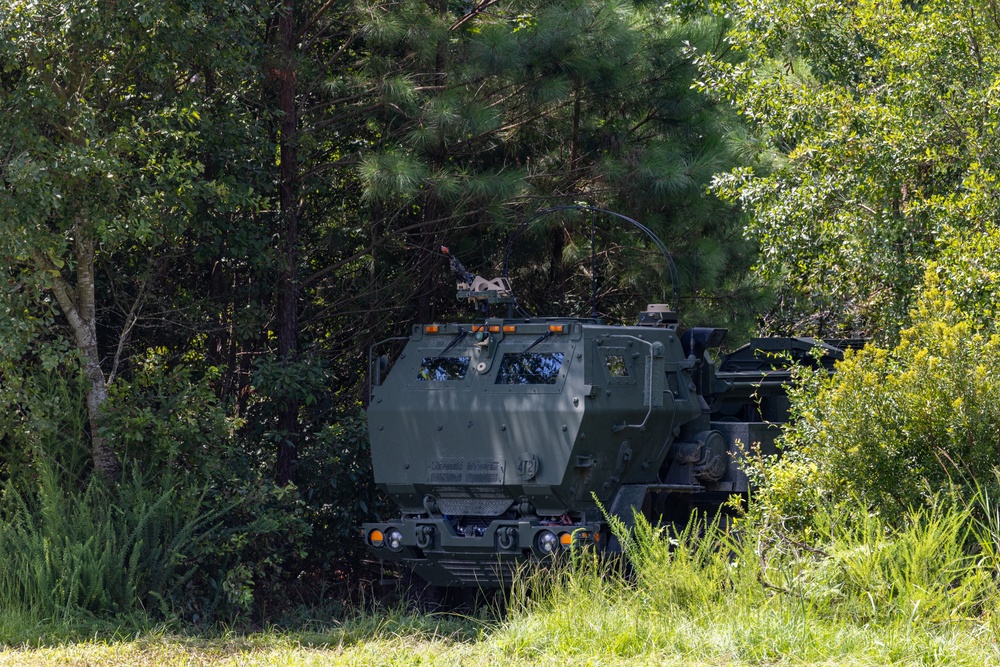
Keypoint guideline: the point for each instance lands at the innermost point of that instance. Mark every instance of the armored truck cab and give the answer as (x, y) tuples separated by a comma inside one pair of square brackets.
[(497, 440)]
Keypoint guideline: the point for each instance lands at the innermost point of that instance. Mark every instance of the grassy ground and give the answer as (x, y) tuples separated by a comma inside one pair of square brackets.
[(739, 644), (612, 631)]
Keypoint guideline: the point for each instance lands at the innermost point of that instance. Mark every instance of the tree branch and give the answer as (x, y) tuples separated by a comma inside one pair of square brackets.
[(326, 270), (62, 289), (473, 13), (130, 321)]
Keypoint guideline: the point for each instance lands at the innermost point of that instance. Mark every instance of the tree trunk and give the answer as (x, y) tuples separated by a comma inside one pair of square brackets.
[(287, 302), (77, 305)]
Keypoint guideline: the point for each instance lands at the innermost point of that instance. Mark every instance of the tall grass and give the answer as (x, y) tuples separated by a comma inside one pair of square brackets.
[(68, 554), (857, 589), (853, 590)]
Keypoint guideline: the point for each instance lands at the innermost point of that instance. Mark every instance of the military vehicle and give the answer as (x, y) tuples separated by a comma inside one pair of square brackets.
[(500, 439)]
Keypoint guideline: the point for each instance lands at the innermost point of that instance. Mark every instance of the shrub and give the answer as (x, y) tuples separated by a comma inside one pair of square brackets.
[(168, 421), (891, 427)]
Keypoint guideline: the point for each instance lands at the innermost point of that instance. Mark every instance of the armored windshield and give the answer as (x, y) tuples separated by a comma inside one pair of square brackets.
[(443, 369), (529, 368)]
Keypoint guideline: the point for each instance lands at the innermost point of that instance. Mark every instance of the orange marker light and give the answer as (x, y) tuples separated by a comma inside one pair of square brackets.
[(509, 328), (431, 328), (556, 328), (375, 538), (476, 328), (494, 328), (566, 539)]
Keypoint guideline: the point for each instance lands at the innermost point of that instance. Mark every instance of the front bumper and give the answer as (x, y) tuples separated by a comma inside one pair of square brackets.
[(485, 556)]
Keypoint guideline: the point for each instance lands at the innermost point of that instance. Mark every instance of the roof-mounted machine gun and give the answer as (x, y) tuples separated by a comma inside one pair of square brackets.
[(476, 288)]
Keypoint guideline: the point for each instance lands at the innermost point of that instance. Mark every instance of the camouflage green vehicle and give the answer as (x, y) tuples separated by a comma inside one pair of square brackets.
[(497, 439)]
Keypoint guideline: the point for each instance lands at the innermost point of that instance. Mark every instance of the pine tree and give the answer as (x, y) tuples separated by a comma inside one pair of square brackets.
[(485, 117)]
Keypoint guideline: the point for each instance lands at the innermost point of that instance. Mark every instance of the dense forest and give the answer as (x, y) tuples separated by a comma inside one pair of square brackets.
[(209, 211)]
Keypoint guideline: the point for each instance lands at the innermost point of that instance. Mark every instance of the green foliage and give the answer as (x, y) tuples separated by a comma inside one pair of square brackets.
[(208, 534), (336, 493), (540, 104), (157, 156), (168, 419), (968, 272), (875, 133), (44, 419), (890, 427), (87, 157), (339, 456)]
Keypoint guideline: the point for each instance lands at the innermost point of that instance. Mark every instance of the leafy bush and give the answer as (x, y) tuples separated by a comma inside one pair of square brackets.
[(335, 491), (892, 426), (968, 271), (168, 420), (340, 494)]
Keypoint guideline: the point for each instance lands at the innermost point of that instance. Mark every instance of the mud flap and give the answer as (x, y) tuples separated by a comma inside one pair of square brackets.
[(627, 502)]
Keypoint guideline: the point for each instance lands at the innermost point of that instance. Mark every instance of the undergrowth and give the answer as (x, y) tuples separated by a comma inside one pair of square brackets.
[(855, 589), (73, 556)]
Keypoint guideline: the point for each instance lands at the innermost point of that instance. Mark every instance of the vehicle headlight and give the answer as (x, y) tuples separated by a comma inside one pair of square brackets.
[(394, 539), (547, 542)]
